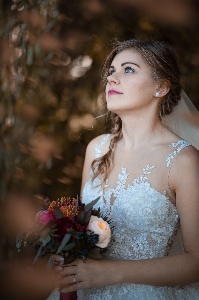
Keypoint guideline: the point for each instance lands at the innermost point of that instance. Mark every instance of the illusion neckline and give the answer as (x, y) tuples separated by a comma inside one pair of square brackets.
[(138, 151), (156, 149), (132, 186)]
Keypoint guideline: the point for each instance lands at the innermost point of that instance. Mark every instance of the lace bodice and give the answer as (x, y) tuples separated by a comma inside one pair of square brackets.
[(145, 220), (145, 224)]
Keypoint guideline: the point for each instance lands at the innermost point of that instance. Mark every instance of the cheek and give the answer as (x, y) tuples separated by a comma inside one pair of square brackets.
[(147, 83), (140, 87)]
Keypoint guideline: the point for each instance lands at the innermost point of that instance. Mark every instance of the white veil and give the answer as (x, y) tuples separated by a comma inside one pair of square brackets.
[(183, 121)]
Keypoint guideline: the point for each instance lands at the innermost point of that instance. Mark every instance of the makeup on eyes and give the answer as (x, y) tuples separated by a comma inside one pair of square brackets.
[(112, 68)]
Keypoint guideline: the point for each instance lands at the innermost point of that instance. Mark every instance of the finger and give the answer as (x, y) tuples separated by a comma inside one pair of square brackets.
[(57, 259), (67, 280), (74, 263), (70, 279), (58, 269), (69, 270)]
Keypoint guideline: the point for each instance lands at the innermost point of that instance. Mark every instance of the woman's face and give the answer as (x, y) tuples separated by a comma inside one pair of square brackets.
[(130, 85)]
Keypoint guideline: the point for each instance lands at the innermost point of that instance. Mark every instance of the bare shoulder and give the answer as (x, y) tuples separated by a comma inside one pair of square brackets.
[(186, 167), (189, 156), (91, 150)]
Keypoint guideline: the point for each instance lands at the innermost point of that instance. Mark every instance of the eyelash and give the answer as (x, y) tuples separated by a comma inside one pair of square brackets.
[(127, 68)]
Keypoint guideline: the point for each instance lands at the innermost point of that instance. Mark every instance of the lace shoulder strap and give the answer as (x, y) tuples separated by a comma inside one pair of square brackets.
[(177, 147), (98, 147)]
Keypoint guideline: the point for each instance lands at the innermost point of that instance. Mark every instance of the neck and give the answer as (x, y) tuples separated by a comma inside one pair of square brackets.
[(140, 129)]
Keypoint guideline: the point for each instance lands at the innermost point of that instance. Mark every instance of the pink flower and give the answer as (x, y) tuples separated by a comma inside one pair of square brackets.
[(43, 217)]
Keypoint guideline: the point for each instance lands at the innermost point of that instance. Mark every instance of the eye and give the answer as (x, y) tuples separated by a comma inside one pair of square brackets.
[(110, 72), (129, 70)]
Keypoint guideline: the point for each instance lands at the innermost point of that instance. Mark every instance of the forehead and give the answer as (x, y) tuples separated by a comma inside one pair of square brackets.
[(128, 55)]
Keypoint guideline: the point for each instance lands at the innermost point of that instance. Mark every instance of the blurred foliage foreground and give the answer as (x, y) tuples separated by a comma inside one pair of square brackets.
[(51, 55), (46, 103)]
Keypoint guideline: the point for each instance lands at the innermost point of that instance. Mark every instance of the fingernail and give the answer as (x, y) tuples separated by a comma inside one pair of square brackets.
[(63, 291)]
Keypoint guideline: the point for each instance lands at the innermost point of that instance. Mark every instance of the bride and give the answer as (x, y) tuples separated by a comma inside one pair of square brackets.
[(147, 177)]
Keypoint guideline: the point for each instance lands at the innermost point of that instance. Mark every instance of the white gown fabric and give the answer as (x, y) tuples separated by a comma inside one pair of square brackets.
[(145, 225)]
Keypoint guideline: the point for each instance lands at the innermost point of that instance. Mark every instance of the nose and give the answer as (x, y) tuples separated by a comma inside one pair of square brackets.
[(113, 78)]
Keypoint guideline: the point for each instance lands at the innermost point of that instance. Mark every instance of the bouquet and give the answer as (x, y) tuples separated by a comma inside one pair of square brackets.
[(69, 228)]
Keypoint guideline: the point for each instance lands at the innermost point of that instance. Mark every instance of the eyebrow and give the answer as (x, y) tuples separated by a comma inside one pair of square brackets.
[(126, 63)]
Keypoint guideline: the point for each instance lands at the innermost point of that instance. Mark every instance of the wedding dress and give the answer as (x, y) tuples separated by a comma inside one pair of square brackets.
[(141, 207), (144, 217)]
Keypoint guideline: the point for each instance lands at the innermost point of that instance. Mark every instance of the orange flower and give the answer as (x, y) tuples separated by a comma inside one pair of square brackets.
[(67, 206)]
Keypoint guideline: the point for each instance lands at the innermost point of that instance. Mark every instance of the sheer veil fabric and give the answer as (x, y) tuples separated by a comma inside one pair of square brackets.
[(178, 123)]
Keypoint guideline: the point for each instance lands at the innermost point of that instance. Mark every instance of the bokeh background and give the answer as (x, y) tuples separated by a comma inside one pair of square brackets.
[(51, 57)]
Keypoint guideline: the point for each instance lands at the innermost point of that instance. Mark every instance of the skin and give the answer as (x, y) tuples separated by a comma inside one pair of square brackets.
[(138, 107), (128, 74)]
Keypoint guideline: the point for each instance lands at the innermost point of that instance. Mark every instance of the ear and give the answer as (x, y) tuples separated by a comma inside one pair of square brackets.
[(162, 89)]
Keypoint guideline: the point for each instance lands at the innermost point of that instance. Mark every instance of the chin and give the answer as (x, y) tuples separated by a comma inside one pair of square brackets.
[(114, 109)]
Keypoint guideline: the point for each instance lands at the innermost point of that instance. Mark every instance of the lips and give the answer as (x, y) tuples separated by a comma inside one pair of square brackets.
[(113, 92)]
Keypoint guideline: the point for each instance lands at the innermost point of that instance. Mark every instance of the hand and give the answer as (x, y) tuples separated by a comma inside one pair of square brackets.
[(89, 274), (58, 262)]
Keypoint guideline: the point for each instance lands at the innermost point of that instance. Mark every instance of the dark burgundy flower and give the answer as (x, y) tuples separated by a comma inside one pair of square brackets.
[(62, 225)]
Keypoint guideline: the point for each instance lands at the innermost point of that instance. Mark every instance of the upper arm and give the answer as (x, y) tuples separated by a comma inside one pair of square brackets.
[(185, 179), (89, 158)]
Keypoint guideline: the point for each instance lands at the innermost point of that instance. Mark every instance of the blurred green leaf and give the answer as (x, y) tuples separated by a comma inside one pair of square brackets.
[(58, 213), (91, 204), (69, 258), (64, 241), (69, 246), (71, 231), (80, 218)]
